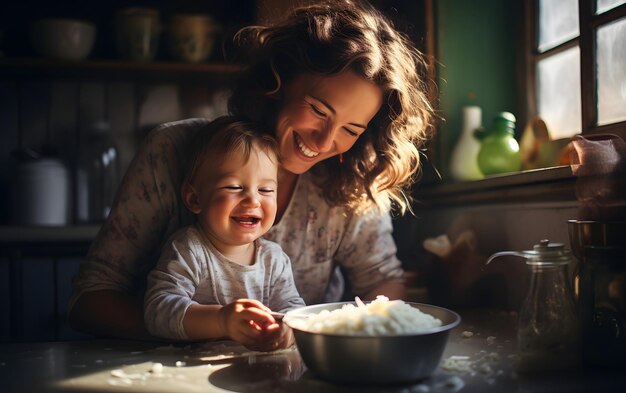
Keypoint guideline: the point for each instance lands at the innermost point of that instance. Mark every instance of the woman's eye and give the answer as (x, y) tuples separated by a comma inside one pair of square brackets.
[(351, 133), (317, 111)]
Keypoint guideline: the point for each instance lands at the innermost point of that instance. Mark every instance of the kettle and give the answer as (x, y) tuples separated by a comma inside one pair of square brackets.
[(548, 331)]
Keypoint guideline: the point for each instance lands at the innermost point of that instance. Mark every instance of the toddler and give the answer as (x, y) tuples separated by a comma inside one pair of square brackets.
[(219, 278)]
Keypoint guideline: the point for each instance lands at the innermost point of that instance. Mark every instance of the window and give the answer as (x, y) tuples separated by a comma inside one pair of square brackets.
[(576, 65)]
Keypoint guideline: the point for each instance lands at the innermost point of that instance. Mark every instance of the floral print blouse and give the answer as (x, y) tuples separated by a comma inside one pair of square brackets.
[(317, 237)]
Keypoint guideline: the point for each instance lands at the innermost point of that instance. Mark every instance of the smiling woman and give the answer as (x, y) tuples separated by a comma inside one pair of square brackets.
[(341, 90)]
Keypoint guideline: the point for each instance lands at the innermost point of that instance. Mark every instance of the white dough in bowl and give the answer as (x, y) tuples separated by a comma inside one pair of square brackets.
[(380, 317)]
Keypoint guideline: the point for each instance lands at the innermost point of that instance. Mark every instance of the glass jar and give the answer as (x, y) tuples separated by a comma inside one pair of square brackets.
[(97, 175), (548, 330)]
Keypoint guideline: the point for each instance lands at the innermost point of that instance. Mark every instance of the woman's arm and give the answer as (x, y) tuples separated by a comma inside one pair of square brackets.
[(109, 313)]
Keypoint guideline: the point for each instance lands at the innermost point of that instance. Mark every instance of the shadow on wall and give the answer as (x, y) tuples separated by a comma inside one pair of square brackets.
[(456, 275)]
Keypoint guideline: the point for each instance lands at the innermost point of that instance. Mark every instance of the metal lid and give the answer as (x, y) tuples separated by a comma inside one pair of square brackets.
[(542, 254), (548, 253)]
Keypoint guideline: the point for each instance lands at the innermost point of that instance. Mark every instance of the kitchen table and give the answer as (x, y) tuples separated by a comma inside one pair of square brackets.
[(480, 357)]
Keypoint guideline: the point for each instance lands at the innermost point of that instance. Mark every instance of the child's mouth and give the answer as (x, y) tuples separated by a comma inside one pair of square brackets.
[(247, 220)]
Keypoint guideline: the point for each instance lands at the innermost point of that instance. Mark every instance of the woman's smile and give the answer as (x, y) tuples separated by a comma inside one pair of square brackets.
[(304, 149), (323, 116)]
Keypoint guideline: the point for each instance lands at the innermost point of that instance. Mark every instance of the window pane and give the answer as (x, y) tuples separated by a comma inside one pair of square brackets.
[(605, 5), (558, 89), (611, 52), (558, 22)]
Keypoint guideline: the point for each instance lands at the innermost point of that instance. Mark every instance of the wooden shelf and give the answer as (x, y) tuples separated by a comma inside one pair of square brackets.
[(538, 185), (44, 234), (117, 69)]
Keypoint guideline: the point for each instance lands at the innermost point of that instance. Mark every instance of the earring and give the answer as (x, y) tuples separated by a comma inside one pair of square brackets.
[(341, 158)]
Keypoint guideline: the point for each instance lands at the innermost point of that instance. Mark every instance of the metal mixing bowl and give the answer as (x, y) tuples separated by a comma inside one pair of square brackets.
[(360, 359)]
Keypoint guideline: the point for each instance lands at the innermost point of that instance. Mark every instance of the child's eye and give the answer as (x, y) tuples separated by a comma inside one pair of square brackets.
[(234, 188), (266, 190)]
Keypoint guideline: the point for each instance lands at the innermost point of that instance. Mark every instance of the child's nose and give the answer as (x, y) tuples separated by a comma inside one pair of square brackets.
[(251, 200)]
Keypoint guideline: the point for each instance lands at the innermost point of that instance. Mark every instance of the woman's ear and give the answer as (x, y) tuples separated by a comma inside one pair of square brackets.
[(190, 198)]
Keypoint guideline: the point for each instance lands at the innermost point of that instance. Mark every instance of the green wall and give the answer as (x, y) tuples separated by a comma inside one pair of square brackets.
[(476, 64)]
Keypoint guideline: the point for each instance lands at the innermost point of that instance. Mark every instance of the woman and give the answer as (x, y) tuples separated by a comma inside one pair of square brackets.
[(342, 91)]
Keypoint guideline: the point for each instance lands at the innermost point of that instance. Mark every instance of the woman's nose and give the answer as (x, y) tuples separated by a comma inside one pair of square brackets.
[(325, 137)]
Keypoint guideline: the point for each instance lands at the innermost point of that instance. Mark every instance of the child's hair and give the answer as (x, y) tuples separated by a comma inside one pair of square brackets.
[(223, 136)]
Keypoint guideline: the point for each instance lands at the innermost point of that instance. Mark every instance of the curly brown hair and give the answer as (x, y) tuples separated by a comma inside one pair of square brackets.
[(326, 39)]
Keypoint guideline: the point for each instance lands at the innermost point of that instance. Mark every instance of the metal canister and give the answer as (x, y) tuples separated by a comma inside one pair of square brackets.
[(602, 305), (600, 247)]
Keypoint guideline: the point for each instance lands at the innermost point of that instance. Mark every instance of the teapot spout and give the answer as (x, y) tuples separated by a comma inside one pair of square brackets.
[(503, 253)]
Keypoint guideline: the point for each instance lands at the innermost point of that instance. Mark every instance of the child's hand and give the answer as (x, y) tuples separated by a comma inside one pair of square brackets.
[(249, 322), (282, 338), (246, 321)]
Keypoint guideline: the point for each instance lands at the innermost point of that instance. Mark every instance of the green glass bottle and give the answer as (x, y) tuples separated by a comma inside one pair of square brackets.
[(499, 151)]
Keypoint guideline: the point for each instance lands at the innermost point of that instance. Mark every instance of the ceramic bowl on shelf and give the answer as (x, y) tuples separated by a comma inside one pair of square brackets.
[(61, 38), (191, 37), (137, 33)]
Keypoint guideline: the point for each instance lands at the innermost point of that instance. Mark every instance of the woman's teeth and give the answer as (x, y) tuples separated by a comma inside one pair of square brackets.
[(305, 150)]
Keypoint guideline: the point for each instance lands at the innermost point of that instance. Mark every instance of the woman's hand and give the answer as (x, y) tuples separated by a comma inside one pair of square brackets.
[(250, 323)]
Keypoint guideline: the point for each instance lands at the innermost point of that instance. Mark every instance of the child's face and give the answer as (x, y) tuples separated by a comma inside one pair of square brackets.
[(237, 199)]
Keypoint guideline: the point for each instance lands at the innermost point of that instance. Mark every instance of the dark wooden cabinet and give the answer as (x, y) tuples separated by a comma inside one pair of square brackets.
[(35, 287)]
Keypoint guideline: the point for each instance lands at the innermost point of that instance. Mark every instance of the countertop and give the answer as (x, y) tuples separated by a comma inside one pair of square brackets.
[(480, 356)]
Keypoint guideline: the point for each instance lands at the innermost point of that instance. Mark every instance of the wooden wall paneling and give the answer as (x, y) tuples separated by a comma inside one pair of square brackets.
[(91, 106), (122, 114), (33, 111), (157, 104), (65, 270), (9, 125), (64, 117), (196, 101), (37, 292), (63, 126), (5, 300)]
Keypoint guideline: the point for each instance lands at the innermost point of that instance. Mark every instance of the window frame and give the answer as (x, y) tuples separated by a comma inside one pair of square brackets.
[(589, 23)]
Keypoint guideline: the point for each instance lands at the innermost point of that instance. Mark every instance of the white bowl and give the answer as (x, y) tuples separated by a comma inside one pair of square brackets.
[(65, 39)]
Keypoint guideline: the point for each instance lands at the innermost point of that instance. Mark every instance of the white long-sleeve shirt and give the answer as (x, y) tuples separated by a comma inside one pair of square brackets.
[(191, 270)]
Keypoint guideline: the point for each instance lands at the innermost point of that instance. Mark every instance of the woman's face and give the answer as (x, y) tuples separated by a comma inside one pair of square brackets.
[(323, 116)]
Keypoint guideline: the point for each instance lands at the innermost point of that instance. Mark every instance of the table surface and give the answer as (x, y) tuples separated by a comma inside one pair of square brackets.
[(482, 349)]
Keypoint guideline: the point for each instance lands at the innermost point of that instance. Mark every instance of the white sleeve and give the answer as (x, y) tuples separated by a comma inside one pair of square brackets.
[(284, 295), (170, 288)]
